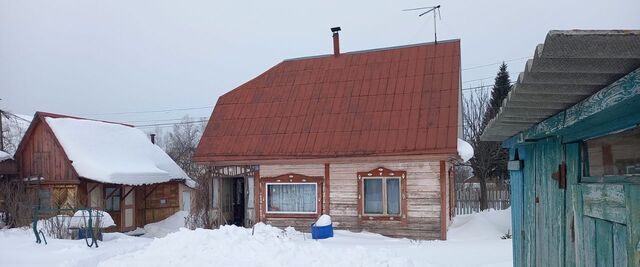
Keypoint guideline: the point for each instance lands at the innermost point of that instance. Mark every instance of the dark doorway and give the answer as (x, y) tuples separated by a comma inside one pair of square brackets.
[(238, 201)]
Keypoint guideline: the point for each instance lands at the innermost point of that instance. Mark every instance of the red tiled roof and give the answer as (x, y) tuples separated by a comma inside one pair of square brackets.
[(393, 101)]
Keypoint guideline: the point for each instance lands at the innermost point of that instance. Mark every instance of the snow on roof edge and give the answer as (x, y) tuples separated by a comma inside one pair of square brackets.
[(114, 153), (465, 150)]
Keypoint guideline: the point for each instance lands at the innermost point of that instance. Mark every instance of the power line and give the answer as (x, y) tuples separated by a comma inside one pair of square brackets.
[(480, 87), (480, 79), (169, 124), (15, 116), (147, 111), (487, 65), (158, 120)]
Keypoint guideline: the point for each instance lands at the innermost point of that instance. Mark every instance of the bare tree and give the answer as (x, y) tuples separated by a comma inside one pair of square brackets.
[(16, 202), (13, 128), (181, 143), (489, 158)]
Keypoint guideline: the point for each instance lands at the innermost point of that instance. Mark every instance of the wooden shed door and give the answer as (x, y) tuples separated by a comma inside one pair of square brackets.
[(549, 202)]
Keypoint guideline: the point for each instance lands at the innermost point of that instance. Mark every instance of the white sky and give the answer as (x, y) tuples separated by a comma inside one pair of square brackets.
[(83, 57)]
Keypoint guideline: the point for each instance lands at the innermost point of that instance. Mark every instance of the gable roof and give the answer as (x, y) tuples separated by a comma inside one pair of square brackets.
[(110, 152), (391, 101)]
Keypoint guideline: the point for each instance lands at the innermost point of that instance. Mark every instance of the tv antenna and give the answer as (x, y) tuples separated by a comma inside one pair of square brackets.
[(434, 9)]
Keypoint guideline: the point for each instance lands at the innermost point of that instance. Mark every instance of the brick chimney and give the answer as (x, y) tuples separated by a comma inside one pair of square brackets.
[(336, 41)]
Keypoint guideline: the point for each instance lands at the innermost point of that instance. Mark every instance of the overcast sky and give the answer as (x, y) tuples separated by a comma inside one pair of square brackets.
[(90, 57)]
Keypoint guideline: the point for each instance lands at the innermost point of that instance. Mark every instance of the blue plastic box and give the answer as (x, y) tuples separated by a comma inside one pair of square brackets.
[(321, 232)]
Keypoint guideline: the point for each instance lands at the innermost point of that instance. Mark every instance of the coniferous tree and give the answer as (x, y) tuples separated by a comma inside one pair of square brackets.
[(500, 90), (490, 159)]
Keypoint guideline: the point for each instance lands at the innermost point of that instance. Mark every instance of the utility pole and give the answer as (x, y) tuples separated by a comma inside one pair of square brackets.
[(1, 131)]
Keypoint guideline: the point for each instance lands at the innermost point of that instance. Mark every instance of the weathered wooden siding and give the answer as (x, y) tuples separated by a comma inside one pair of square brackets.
[(423, 197), (160, 203), (42, 156)]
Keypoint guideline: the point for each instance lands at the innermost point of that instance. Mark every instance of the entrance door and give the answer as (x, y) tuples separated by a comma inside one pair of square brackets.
[(128, 209), (238, 201)]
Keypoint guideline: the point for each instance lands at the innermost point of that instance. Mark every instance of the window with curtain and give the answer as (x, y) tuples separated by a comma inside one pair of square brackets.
[(292, 197), (113, 201), (381, 195)]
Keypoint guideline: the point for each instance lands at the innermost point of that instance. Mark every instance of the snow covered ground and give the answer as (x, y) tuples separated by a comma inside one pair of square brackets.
[(474, 240)]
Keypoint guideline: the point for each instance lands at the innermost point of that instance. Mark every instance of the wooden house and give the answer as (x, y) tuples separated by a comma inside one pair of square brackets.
[(78, 163), (367, 137), (571, 124)]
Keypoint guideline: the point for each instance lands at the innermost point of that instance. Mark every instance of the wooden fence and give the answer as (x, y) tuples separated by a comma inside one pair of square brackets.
[(468, 198)]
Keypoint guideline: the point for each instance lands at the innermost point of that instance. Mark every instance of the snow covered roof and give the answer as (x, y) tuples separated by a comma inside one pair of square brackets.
[(113, 153), (4, 156), (465, 150)]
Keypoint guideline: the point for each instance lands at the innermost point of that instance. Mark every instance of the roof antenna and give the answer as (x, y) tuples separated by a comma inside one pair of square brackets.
[(435, 9)]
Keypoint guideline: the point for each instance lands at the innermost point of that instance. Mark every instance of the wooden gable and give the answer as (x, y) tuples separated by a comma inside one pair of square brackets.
[(41, 155)]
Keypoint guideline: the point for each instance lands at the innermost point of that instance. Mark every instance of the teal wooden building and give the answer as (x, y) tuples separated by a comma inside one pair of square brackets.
[(571, 124)]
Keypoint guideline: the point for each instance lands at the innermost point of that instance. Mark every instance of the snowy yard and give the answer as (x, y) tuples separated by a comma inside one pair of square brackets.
[(474, 240)]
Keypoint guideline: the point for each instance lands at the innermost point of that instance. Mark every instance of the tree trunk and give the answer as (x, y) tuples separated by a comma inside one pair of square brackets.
[(483, 193)]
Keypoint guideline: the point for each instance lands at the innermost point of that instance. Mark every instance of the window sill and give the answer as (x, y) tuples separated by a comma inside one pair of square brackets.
[(292, 215), (370, 217), (633, 179)]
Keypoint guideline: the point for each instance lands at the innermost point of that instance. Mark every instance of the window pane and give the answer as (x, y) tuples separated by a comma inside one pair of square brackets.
[(291, 198), (113, 202), (373, 196), (393, 196), (616, 154)]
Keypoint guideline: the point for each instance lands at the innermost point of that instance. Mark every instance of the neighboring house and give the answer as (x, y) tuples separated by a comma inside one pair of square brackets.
[(8, 167), (77, 163), (368, 137), (571, 123), (8, 170)]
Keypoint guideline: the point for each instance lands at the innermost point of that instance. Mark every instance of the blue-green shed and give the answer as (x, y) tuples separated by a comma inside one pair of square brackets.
[(571, 124)]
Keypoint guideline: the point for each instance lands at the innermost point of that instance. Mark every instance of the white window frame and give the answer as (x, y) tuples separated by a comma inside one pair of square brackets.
[(384, 196), (315, 197)]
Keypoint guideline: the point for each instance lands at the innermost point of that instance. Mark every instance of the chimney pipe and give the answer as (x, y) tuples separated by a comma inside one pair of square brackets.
[(336, 41), (153, 138)]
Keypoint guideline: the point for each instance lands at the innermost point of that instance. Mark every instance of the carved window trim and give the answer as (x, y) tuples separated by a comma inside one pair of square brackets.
[(291, 178), (385, 173)]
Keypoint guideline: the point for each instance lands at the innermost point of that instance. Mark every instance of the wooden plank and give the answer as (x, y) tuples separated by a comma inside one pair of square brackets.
[(573, 208), (529, 205), (589, 243), (605, 201), (517, 198), (443, 201), (620, 238), (632, 194), (327, 191), (604, 243), (615, 94)]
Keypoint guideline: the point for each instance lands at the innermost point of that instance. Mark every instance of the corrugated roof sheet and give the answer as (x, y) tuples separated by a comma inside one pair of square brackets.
[(569, 67), (393, 101)]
